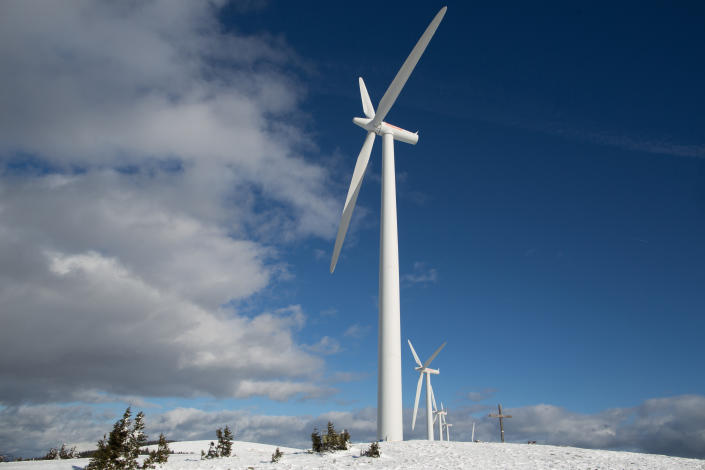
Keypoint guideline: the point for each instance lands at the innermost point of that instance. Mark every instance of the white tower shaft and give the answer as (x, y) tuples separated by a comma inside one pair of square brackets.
[(429, 410), (389, 401)]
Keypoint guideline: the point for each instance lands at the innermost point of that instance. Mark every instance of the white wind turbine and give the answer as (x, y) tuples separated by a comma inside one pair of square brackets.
[(423, 369), (389, 399), (440, 415), (444, 424)]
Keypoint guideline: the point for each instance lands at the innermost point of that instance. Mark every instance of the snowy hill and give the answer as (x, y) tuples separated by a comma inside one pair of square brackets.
[(406, 455)]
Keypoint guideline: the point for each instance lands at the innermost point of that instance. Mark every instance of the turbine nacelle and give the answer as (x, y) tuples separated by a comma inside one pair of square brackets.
[(402, 135), (426, 370)]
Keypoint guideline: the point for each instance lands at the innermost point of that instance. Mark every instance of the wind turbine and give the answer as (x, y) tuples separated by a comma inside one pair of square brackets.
[(389, 401), (423, 369), (443, 413), (441, 419)]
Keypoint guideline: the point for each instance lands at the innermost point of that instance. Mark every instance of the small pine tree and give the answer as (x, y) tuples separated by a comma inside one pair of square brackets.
[(119, 443), (344, 440), (331, 441), (66, 453), (136, 439), (226, 443), (119, 451), (102, 457), (277, 455), (112, 450), (163, 450), (219, 447), (334, 440), (161, 455), (316, 441), (333, 436), (373, 450)]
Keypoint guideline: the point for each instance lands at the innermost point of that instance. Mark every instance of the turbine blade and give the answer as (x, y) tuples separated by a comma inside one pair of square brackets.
[(390, 96), (416, 358), (367, 107), (416, 401), (360, 166), (428, 361)]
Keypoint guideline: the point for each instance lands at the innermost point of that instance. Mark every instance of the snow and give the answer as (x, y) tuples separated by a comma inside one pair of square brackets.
[(400, 455)]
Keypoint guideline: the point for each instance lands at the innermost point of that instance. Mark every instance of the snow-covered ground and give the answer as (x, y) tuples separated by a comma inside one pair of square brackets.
[(401, 455)]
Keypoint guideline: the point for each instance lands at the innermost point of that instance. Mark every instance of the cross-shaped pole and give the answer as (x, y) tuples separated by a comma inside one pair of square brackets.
[(500, 416)]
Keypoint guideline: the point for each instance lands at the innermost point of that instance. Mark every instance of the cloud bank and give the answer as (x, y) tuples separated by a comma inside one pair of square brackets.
[(671, 426), (149, 164)]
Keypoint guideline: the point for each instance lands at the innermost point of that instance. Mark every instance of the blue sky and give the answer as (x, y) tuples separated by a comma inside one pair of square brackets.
[(557, 192), (182, 170)]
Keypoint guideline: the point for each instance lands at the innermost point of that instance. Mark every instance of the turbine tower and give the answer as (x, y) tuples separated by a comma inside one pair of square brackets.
[(437, 415), (423, 369), (389, 400)]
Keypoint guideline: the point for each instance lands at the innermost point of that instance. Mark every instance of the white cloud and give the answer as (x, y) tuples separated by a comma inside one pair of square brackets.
[(672, 426), (421, 275), (325, 345), (101, 84), (280, 390), (149, 165), (357, 331), (30, 431), (481, 395), (347, 376), (329, 312), (90, 322)]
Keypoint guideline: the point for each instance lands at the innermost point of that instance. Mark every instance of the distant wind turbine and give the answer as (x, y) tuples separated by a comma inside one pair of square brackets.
[(442, 413), (424, 369), (447, 425), (389, 398)]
